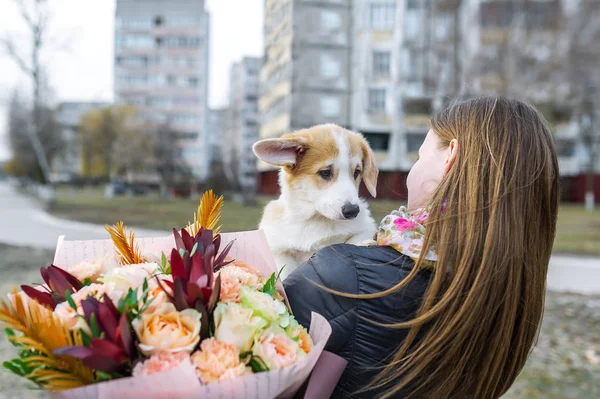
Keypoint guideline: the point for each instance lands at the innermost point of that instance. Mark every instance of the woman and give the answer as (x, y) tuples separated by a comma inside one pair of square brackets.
[(449, 303)]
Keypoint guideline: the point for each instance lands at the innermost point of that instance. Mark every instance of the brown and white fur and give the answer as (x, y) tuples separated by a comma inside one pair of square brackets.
[(321, 170)]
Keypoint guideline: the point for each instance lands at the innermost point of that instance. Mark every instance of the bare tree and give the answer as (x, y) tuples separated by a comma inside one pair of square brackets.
[(171, 166), (36, 16), (24, 161)]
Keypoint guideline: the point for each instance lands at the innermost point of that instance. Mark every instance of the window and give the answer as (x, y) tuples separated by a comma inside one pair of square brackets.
[(158, 21), (378, 141), (250, 123), (565, 148), (330, 107), (381, 63), (251, 98), (408, 61), (411, 25), (382, 15), (193, 81), (377, 100), (330, 21), (414, 142), (330, 67)]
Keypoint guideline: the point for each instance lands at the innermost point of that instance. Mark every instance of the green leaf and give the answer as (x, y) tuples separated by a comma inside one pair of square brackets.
[(71, 301), (258, 365), (181, 252), (94, 326), (85, 337), (164, 262), (13, 367), (168, 271), (102, 376), (9, 332), (296, 339), (245, 354), (270, 285), (194, 249), (87, 281)]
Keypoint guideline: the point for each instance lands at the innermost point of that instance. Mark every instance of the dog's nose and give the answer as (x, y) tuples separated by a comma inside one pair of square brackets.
[(350, 211)]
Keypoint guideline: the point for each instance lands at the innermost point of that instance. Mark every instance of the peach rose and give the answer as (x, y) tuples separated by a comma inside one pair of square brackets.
[(168, 330), (160, 362), (156, 294), (277, 349), (217, 361), (233, 278), (87, 269)]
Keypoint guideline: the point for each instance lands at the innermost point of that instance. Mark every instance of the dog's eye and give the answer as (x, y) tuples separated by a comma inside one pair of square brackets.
[(325, 174), (357, 173)]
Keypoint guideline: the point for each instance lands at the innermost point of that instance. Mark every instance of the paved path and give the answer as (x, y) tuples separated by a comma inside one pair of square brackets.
[(23, 223)]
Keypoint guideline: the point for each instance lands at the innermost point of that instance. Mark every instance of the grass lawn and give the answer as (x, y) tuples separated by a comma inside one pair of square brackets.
[(578, 230)]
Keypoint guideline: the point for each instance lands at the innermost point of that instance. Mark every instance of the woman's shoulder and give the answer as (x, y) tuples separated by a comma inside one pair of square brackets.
[(355, 269)]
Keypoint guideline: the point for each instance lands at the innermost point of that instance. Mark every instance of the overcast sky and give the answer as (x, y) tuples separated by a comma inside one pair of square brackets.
[(83, 71)]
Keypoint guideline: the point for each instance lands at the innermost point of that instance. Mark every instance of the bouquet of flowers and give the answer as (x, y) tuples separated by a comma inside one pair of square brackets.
[(197, 313)]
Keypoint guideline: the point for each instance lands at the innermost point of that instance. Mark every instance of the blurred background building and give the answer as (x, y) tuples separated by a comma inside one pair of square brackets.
[(381, 67), (161, 67)]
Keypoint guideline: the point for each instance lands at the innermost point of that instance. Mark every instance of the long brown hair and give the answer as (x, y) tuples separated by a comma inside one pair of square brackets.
[(481, 313)]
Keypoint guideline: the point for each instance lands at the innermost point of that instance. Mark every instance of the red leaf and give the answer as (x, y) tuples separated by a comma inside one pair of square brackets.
[(187, 239), (197, 267), (180, 294), (43, 298), (223, 255), (44, 273), (107, 322), (58, 282), (209, 258), (89, 306), (194, 293), (125, 337), (108, 349), (177, 266), (102, 363), (206, 237), (217, 243), (168, 284), (214, 297), (187, 264), (108, 302), (74, 281), (204, 321), (178, 240), (78, 352)]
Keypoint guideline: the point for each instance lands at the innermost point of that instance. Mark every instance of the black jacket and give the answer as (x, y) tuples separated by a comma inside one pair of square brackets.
[(357, 270)]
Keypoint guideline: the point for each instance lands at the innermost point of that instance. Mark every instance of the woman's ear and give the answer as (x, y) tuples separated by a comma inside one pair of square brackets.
[(283, 151), (452, 152)]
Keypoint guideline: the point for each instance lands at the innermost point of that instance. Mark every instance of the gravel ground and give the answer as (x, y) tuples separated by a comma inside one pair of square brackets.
[(565, 363)]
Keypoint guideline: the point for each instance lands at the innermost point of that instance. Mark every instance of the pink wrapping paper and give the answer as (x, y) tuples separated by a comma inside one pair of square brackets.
[(251, 248)]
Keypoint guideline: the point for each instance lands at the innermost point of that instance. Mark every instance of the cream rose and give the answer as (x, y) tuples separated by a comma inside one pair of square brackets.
[(168, 330), (131, 276), (237, 325), (217, 361), (276, 349)]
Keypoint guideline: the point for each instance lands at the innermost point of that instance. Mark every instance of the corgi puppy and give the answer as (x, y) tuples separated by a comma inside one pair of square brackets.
[(321, 170)]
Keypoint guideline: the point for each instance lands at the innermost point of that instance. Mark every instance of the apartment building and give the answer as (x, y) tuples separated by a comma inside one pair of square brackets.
[(305, 77), (69, 114), (241, 127), (161, 66), (408, 58)]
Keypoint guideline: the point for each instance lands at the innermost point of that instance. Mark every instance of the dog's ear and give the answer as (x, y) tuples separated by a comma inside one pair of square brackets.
[(283, 151), (370, 169)]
